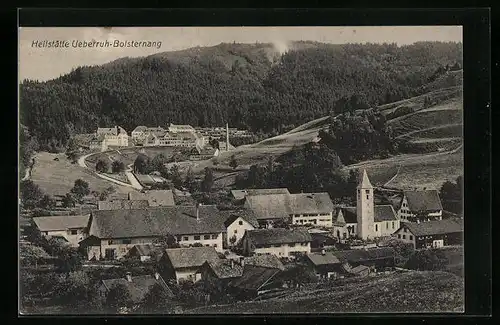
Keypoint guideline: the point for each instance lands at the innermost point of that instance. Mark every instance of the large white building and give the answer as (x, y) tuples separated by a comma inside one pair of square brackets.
[(109, 137)]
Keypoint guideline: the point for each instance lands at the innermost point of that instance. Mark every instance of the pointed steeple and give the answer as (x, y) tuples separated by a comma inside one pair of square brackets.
[(365, 181)]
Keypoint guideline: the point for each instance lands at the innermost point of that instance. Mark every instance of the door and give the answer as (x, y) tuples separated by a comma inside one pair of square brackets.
[(109, 254)]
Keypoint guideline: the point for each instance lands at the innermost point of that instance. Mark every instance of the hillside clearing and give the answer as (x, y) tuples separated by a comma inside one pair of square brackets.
[(58, 177), (399, 292)]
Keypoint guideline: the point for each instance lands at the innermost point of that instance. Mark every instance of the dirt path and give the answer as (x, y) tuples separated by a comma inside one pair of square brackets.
[(132, 179), (428, 129)]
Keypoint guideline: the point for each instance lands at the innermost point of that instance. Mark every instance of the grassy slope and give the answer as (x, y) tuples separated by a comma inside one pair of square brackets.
[(400, 292), (58, 177)]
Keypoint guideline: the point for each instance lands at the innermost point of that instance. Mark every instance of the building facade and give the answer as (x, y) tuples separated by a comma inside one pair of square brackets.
[(431, 234), (277, 241)]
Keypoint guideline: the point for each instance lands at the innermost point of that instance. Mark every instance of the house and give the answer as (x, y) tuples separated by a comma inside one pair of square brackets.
[(113, 137), (423, 205), (154, 197), (376, 258), (435, 233), (145, 252), (177, 128), (277, 241), (180, 139), (185, 264), (321, 239), (122, 204), (203, 153), (237, 223), (224, 270), (71, 228), (138, 286), (112, 233), (138, 133), (366, 220), (300, 209), (241, 194), (360, 270), (325, 265)]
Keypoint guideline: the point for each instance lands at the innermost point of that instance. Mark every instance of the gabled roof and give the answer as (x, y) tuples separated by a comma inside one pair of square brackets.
[(54, 223), (277, 236), (358, 269), (253, 277), (435, 227), (146, 249), (423, 200), (382, 213), (122, 204), (140, 128), (309, 203), (191, 256), (349, 214), (225, 269), (268, 206), (327, 259), (154, 197), (361, 255), (269, 261), (155, 221), (139, 286), (241, 194), (232, 215)]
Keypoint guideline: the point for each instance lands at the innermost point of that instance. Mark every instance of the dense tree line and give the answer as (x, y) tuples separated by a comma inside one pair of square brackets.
[(241, 84), (451, 194)]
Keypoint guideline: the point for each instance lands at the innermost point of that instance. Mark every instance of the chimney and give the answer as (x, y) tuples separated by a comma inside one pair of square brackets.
[(128, 275), (157, 275), (227, 136)]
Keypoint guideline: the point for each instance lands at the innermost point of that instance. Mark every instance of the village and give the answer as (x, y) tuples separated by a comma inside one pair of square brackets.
[(268, 241)]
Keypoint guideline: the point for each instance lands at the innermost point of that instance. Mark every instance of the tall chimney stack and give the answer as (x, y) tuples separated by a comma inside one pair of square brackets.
[(227, 136)]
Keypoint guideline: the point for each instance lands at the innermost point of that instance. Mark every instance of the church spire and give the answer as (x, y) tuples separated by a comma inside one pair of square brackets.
[(365, 181)]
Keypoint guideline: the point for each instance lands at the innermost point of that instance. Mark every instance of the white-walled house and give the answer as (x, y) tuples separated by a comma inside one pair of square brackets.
[(424, 205), (112, 233), (237, 223), (186, 263), (276, 241), (71, 228)]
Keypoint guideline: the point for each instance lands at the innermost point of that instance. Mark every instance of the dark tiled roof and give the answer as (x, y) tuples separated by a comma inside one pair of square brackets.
[(435, 227), (146, 249), (248, 215), (254, 278), (358, 269), (320, 259), (154, 197), (268, 206), (349, 214), (309, 203), (277, 236), (269, 261), (223, 269), (241, 194), (423, 201), (155, 221), (361, 255), (122, 204), (61, 222), (384, 213), (191, 256), (139, 286)]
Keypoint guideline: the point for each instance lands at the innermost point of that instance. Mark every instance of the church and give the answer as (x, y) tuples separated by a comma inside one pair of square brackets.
[(366, 220)]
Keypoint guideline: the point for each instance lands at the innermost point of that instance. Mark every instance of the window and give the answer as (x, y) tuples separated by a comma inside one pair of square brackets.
[(393, 225), (240, 223), (110, 242), (206, 237), (411, 237), (214, 236), (207, 245), (236, 231), (387, 225), (196, 237), (367, 191), (74, 231), (179, 238), (367, 197), (186, 238), (405, 230), (399, 236), (404, 236), (127, 241), (215, 245), (291, 245), (376, 227)]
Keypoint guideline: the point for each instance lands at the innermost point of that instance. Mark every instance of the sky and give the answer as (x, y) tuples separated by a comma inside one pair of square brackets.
[(43, 63)]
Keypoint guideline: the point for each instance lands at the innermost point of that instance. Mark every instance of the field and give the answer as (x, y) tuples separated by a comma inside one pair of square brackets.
[(58, 177), (128, 155), (430, 170), (398, 292), (442, 131)]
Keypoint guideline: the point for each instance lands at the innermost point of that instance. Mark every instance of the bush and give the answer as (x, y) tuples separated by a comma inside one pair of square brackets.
[(102, 166), (427, 260)]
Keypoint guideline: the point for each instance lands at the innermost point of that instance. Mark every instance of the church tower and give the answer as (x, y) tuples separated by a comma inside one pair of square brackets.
[(365, 210)]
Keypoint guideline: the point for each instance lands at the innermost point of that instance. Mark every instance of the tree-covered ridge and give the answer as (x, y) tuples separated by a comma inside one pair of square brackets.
[(248, 85)]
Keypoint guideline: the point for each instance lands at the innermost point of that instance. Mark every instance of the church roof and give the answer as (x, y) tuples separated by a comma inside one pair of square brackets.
[(365, 181), (349, 214)]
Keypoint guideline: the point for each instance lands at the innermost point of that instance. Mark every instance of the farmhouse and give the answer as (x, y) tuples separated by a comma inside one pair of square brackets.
[(277, 241), (366, 220), (186, 263), (242, 194), (144, 252), (112, 233), (122, 204), (376, 258), (70, 228), (112, 137), (138, 286), (325, 265), (303, 208), (435, 233), (237, 223), (203, 153), (154, 197), (421, 205), (255, 280)]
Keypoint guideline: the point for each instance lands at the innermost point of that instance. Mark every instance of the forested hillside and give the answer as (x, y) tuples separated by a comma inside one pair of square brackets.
[(248, 85)]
